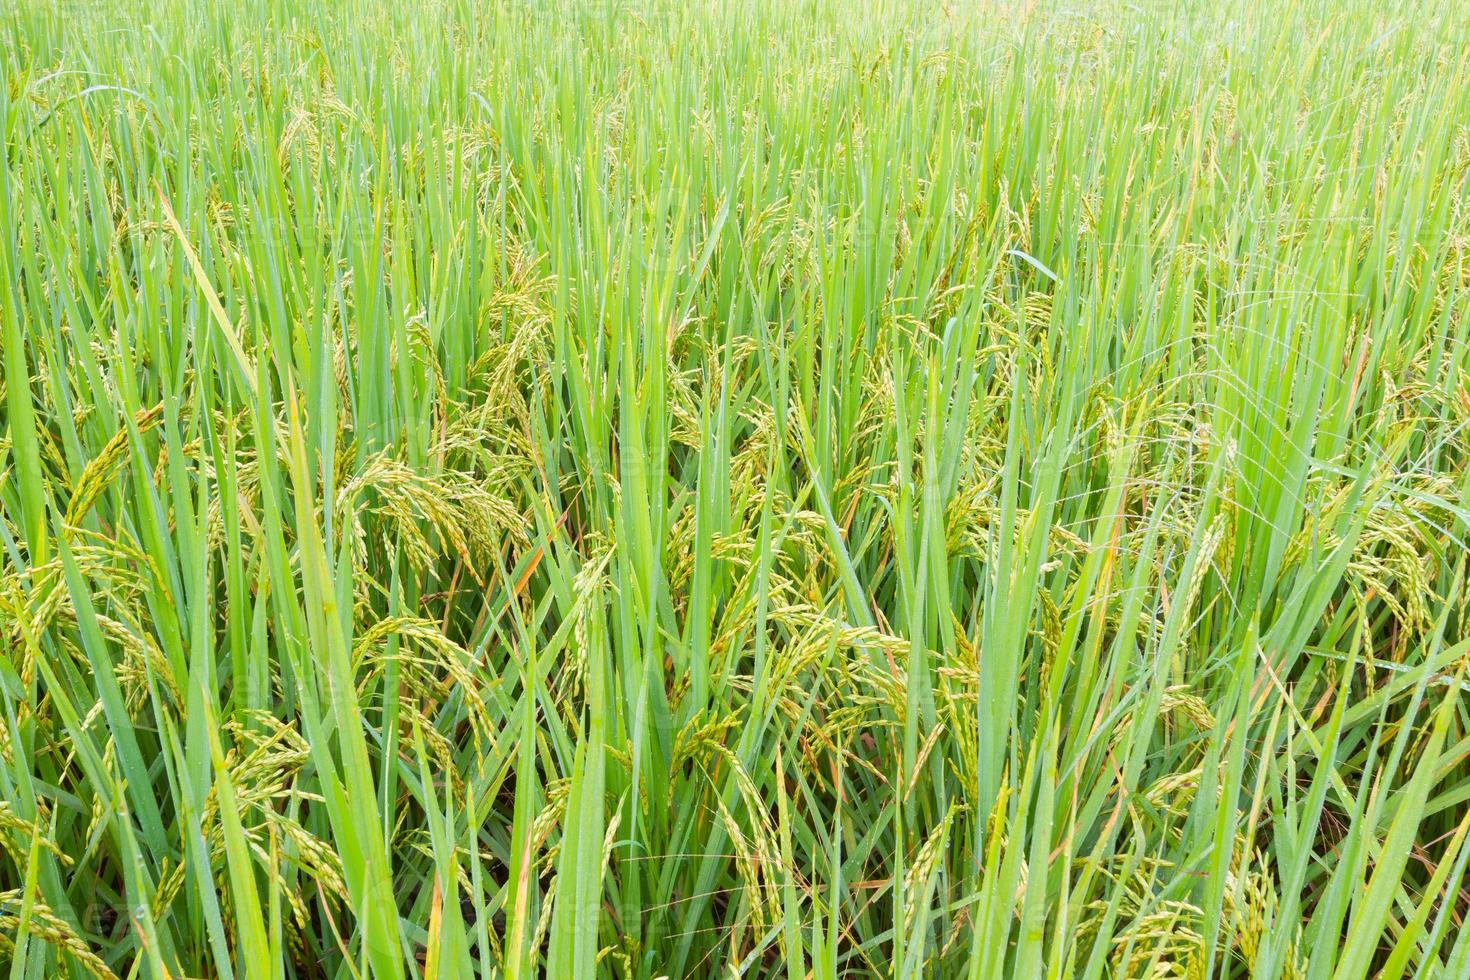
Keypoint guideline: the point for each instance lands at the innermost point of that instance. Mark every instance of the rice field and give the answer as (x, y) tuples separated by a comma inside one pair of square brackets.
[(637, 489)]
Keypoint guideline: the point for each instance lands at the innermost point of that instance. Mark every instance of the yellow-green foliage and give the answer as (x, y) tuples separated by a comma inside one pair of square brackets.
[(626, 488)]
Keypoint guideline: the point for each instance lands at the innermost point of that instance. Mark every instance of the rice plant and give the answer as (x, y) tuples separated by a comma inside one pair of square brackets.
[(638, 489)]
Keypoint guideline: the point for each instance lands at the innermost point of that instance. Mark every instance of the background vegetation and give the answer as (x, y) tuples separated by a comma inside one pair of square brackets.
[(641, 489)]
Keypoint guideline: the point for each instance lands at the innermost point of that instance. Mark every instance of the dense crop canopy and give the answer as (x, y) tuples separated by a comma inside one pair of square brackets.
[(628, 488)]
